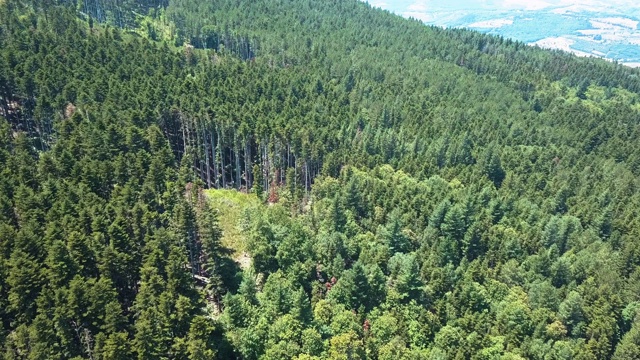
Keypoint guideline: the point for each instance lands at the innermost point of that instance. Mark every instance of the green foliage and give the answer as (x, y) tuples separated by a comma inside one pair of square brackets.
[(432, 193)]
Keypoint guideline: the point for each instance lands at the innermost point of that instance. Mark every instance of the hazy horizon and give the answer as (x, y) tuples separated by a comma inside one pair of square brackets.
[(607, 29), (403, 7)]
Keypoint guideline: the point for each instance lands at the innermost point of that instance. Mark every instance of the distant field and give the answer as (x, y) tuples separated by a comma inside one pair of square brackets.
[(591, 28)]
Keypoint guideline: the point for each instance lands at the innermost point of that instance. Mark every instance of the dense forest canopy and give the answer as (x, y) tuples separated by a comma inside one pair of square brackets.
[(419, 193)]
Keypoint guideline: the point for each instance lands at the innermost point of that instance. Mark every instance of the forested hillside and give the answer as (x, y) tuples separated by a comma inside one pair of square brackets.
[(423, 193)]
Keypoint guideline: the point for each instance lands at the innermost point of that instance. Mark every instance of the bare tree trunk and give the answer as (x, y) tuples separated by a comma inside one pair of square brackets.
[(223, 170), (237, 156), (304, 168), (206, 152), (184, 136), (200, 146), (190, 143), (215, 162), (231, 171), (246, 166), (265, 166), (281, 162), (276, 162)]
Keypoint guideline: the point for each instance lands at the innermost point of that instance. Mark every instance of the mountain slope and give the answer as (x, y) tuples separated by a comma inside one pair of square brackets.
[(431, 193)]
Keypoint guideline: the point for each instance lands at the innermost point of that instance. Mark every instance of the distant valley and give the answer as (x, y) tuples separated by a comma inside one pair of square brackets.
[(593, 28)]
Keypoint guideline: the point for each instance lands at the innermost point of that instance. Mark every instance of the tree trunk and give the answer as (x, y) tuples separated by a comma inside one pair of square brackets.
[(223, 170), (306, 176), (206, 155), (184, 137), (200, 147), (247, 164), (237, 157), (265, 166), (215, 162)]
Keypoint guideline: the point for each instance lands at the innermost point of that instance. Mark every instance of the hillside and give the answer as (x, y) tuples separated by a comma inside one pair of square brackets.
[(427, 193)]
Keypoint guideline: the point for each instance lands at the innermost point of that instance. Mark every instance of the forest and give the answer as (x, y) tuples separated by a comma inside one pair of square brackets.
[(300, 179)]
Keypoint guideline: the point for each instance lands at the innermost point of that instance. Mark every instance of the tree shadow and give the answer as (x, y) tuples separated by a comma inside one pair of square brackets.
[(230, 270)]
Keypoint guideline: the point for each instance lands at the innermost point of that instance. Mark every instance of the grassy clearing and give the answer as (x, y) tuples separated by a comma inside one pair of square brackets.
[(230, 205)]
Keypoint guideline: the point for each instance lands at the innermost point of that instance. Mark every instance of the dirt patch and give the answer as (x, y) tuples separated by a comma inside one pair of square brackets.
[(244, 260)]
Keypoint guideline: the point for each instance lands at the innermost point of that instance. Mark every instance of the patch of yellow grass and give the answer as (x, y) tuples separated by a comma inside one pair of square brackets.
[(230, 205)]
